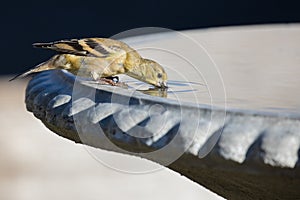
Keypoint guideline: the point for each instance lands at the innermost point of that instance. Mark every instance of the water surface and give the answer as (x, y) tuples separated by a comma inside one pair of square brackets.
[(259, 66)]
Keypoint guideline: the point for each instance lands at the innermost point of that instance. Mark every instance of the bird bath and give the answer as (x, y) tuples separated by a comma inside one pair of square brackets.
[(229, 121)]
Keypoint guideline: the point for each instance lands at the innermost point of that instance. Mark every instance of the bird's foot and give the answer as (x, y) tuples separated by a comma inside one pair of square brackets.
[(114, 81), (109, 80)]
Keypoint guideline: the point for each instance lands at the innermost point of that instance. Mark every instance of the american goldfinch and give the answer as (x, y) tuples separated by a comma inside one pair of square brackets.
[(98, 58)]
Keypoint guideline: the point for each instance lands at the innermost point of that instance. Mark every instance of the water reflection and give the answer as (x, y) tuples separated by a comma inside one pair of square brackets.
[(158, 92), (175, 88)]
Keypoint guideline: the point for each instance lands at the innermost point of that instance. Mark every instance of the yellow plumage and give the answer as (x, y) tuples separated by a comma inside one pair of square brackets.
[(98, 58)]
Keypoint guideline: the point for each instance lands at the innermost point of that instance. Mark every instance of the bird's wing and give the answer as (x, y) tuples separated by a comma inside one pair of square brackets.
[(95, 47)]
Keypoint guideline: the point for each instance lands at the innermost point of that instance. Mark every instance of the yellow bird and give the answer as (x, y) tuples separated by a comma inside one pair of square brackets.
[(100, 58)]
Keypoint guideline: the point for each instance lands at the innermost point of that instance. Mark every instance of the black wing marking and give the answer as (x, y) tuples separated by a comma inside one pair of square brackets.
[(64, 46)]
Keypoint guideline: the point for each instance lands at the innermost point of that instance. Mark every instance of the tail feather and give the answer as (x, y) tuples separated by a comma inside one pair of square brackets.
[(41, 67), (22, 75)]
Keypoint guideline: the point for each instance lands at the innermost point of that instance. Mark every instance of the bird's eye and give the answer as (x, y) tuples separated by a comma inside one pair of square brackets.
[(159, 75)]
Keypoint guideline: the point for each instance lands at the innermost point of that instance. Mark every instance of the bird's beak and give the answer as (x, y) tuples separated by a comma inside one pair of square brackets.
[(163, 84)]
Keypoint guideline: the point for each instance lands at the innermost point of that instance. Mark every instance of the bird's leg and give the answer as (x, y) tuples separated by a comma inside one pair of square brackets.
[(104, 81), (115, 79), (109, 80)]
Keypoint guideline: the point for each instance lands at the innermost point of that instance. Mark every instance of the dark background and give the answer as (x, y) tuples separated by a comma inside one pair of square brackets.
[(24, 23)]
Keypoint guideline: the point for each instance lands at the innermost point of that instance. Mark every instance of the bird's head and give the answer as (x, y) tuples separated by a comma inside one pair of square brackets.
[(153, 73)]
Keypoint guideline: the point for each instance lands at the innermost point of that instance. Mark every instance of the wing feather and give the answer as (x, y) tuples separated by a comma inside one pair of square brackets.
[(63, 46), (95, 47)]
